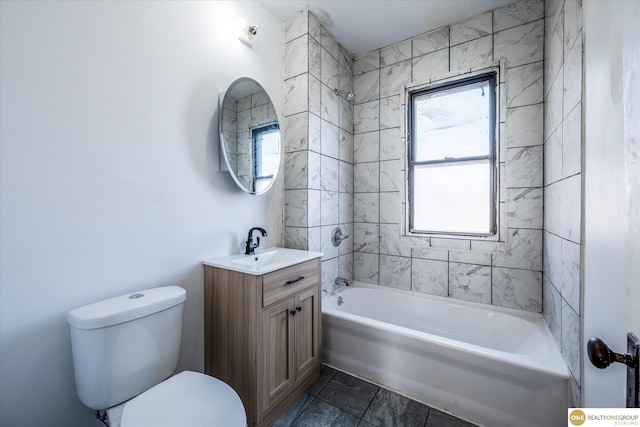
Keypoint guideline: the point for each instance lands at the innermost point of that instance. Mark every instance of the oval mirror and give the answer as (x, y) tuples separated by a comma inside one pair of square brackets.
[(249, 135)]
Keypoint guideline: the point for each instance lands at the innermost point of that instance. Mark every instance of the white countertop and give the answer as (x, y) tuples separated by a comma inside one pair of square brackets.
[(264, 261)]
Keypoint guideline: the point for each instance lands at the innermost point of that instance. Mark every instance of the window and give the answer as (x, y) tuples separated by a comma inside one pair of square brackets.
[(452, 160), (266, 155)]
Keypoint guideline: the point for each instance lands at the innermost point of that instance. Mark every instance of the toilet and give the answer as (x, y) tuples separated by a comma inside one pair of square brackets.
[(125, 351)]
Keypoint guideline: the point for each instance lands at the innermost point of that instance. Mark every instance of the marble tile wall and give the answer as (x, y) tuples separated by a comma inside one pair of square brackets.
[(562, 179), (318, 144), (508, 272)]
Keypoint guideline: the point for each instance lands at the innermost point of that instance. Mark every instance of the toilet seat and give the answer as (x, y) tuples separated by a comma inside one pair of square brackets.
[(189, 399)]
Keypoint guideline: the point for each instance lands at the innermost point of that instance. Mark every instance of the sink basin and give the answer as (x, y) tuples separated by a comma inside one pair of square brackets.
[(264, 261)]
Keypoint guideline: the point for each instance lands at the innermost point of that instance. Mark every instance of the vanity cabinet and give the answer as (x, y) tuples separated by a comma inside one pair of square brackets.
[(262, 335)]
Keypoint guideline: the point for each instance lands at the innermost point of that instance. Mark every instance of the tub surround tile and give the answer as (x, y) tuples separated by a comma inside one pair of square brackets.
[(551, 308), (295, 238), (296, 170), (345, 115), (572, 143), (345, 177), (391, 207), (315, 58), (296, 26), (553, 157), (366, 147), (367, 177), (429, 253), (330, 139), (570, 284), (473, 28), (429, 276), (519, 289), (470, 257), (366, 207), (346, 82), (393, 78), (329, 207), (329, 272), (295, 95), (517, 13), (553, 51), (326, 246), (346, 208), (524, 207), (315, 95), (456, 244), (430, 66), (295, 208), (345, 266), (524, 167), (472, 55), (329, 105), (431, 42), (572, 78), (553, 106), (391, 409), (520, 45), (314, 239), (367, 87), (552, 258), (346, 146), (395, 272), (396, 53), (391, 175), (366, 117), (330, 170), (470, 282), (365, 63), (524, 126), (391, 112), (365, 267), (295, 59), (571, 340), (314, 170), (329, 69), (572, 22), (525, 250), (393, 243), (366, 237), (524, 85), (391, 144), (296, 132)]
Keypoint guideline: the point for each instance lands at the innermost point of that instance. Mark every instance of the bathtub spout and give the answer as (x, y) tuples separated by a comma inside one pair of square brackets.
[(340, 282)]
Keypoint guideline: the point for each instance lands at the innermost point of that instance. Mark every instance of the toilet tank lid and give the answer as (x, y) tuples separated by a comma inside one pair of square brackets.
[(126, 307)]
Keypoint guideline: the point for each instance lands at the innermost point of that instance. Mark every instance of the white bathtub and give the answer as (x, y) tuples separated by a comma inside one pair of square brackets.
[(489, 365)]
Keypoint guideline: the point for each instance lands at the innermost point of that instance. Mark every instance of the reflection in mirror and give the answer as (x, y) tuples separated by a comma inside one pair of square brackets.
[(250, 136)]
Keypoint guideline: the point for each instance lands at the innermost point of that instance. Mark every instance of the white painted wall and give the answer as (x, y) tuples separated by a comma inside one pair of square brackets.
[(109, 173), (611, 298)]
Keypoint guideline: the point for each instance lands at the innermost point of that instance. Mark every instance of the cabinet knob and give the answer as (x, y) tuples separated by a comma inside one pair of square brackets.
[(292, 312), (298, 308)]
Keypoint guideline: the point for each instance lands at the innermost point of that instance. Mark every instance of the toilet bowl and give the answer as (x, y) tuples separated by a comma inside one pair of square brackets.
[(188, 399)]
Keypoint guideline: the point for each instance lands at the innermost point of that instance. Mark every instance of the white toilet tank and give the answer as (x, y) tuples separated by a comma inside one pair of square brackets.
[(125, 345)]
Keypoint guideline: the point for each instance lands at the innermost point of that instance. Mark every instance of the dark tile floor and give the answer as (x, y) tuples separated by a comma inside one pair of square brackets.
[(338, 399)]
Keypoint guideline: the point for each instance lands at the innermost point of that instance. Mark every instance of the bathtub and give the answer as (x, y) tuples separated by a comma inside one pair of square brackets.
[(489, 365)]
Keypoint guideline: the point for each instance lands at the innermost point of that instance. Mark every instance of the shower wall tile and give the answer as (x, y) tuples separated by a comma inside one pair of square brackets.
[(314, 167), (517, 14), (315, 102), (330, 173), (570, 281), (572, 22), (391, 144), (314, 239), (366, 117), (394, 77), (391, 175), (553, 51), (329, 107), (296, 170), (329, 207), (346, 208), (346, 146), (519, 289), (572, 142), (330, 251), (524, 85), (572, 78), (366, 207), (365, 63), (396, 53), (430, 65), (470, 257), (552, 309), (428, 253), (295, 130), (553, 106), (571, 340), (295, 238), (346, 115), (346, 178), (366, 237), (296, 26), (524, 167), (295, 60), (366, 147), (392, 242), (345, 266), (329, 43), (366, 177), (470, 282), (365, 267), (313, 213), (524, 126), (367, 86), (346, 60), (553, 157), (330, 139), (395, 272), (431, 42), (391, 112), (525, 250), (473, 28), (295, 95), (330, 268), (329, 70), (552, 257), (346, 247), (295, 208), (315, 58), (524, 207), (455, 244), (471, 55), (345, 80), (315, 129), (391, 208), (430, 277), (520, 45)]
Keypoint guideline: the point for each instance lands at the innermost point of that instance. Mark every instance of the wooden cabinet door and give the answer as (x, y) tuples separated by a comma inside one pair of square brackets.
[(306, 332), (277, 339)]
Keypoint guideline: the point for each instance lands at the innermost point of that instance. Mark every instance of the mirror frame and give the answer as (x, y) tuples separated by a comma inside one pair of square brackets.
[(226, 165)]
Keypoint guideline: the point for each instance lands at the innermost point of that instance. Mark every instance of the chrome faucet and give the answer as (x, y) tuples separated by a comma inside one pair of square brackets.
[(250, 247), (340, 281)]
